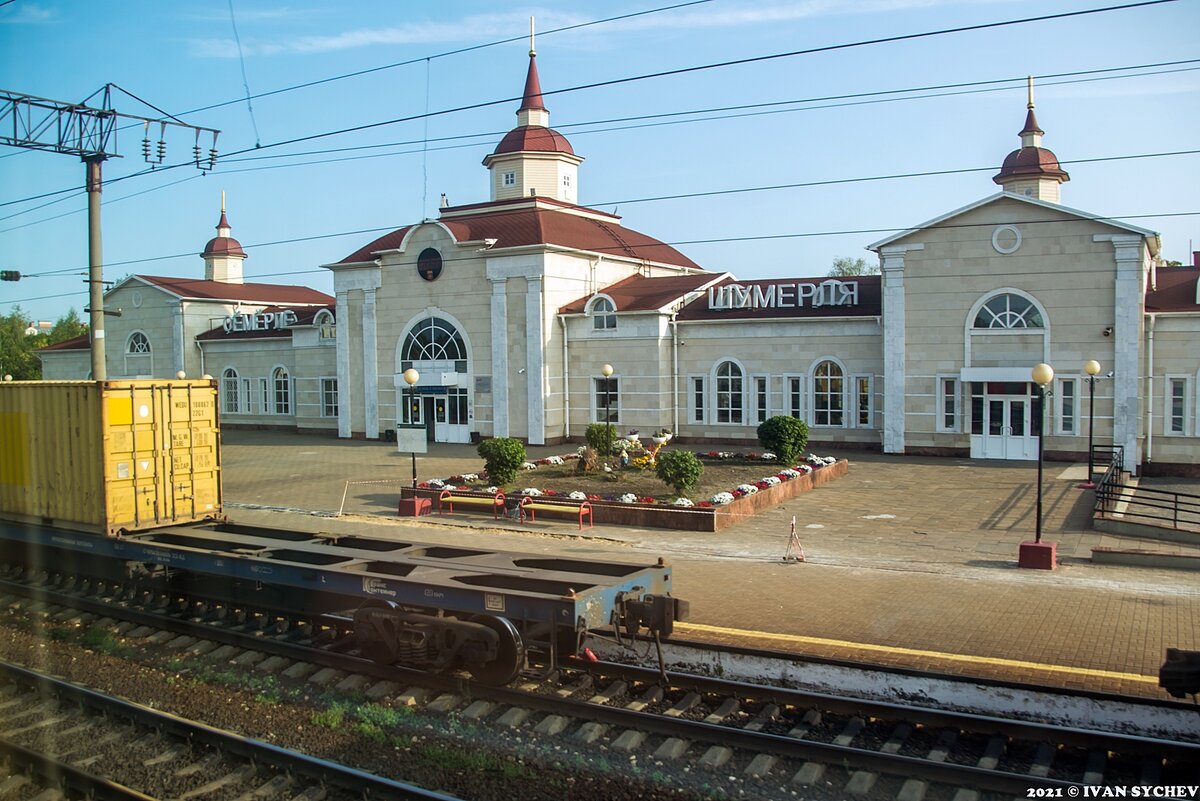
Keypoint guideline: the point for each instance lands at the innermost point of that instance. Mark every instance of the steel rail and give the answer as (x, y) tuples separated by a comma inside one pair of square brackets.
[(66, 776), (226, 742)]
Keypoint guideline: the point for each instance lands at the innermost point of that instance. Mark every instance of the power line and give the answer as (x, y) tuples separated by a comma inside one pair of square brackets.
[(681, 71)]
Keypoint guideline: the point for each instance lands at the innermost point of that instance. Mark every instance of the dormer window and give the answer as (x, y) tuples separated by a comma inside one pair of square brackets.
[(510, 179), (566, 182), (603, 313)]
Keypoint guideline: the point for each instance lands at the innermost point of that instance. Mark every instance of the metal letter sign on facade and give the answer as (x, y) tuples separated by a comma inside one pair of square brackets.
[(262, 321), (782, 295)]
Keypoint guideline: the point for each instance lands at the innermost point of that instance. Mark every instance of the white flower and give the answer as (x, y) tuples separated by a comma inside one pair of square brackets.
[(682, 502), (721, 498), (747, 489), (530, 491), (554, 459), (470, 477), (450, 487), (579, 451), (578, 496), (724, 455), (768, 457), (804, 469), (771, 480), (529, 466), (436, 483), (491, 490), (628, 497), (790, 473)]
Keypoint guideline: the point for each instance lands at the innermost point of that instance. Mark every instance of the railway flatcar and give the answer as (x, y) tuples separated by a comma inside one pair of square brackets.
[(423, 605)]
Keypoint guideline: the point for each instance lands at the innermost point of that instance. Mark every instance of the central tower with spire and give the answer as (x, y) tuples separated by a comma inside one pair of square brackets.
[(533, 159), (1032, 171)]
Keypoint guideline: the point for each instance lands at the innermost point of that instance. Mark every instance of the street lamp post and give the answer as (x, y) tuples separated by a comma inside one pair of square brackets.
[(1035, 553), (607, 371), (1092, 368), (411, 377)]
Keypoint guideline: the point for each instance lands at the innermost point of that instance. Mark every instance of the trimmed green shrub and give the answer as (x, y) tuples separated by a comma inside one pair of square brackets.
[(602, 437), (679, 469), (786, 437), (503, 457)]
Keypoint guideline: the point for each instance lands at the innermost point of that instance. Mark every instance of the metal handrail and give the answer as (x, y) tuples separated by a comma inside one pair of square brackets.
[(1163, 506)]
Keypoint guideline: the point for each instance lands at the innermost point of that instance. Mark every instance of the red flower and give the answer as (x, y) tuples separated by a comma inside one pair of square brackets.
[(423, 485), (751, 455), (737, 493), (593, 497), (549, 492), (705, 504), (647, 499), (761, 484), (783, 477), (712, 454)]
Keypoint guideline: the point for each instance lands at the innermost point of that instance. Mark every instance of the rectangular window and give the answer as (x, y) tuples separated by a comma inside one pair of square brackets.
[(457, 403), (1177, 406), (510, 179), (761, 405), (794, 387), (607, 398), (411, 410), (247, 400), (828, 395), (263, 405), (1068, 406), (976, 407), (947, 400), (864, 405), (698, 399), (230, 394), (329, 397)]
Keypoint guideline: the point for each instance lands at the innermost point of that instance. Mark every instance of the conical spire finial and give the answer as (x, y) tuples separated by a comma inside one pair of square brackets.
[(1029, 83), (532, 52)]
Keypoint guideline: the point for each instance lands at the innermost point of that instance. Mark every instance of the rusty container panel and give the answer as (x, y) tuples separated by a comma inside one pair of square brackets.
[(109, 457)]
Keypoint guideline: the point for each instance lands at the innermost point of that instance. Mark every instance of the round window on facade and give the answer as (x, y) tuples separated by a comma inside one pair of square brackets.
[(1006, 239), (429, 264)]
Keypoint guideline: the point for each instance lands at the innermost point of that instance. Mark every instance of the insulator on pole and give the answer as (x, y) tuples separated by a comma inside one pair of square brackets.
[(162, 150), (146, 141)]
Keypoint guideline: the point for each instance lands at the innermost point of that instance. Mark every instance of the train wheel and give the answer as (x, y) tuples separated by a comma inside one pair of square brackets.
[(510, 653)]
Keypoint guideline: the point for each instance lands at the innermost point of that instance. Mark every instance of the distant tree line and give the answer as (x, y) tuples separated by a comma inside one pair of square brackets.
[(18, 349)]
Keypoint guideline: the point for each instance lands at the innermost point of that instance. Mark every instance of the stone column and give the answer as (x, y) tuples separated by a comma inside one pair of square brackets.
[(892, 269), (499, 357), (1129, 251), (343, 363), (370, 358), (534, 361)]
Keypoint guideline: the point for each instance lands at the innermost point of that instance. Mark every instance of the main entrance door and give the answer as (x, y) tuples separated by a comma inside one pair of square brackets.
[(1002, 425)]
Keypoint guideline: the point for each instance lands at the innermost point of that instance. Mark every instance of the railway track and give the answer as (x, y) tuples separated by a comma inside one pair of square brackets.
[(774, 739), (59, 736)]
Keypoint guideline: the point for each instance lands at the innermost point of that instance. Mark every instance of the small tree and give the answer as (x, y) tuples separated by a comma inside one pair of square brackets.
[(784, 436), (602, 437), (680, 469), (846, 266), (503, 457)]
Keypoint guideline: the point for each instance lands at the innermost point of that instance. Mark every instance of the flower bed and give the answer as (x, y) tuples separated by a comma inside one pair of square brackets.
[(720, 511)]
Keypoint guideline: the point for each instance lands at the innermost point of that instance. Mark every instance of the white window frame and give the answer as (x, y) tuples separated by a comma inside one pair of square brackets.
[(139, 362), (697, 389), (740, 406), (329, 390), (231, 389), (794, 403), (1185, 381), (940, 392), (604, 319), (813, 395), (761, 392), (286, 406), (854, 401), (614, 398), (508, 179), (1059, 396)]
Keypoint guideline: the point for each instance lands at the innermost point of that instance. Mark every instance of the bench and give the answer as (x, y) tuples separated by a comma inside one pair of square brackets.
[(531, 506), (448, 499)]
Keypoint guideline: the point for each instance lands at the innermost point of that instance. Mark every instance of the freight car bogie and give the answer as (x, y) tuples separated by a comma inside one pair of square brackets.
[(489, 647)]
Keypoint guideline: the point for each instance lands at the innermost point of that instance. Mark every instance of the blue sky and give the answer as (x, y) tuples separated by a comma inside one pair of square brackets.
[(184, 56)]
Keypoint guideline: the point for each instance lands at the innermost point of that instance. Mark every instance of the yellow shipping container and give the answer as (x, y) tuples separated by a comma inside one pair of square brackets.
[(109, 456)]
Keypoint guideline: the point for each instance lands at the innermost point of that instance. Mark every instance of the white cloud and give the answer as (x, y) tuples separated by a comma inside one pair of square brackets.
[(26, 14), (488, 27)]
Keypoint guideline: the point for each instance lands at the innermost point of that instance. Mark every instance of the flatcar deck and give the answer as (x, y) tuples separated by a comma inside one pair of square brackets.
[(532, 587)]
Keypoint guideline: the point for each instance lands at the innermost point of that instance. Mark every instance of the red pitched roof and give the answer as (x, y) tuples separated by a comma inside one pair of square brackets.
[(540, 224), (870, 302), (639, 293), (278, 294), (81, 342), (1176, 290)]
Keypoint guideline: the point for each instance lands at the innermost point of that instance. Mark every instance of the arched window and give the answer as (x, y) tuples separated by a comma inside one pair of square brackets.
[(729, 393), (138, 344), (281, 384), (604, 317), (828, 394), (1008, 311), (139, 360), (324, 322), (230, 400), (434, 340)]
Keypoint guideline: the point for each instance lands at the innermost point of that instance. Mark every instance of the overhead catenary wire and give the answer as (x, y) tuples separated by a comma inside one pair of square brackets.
[(675, 72)]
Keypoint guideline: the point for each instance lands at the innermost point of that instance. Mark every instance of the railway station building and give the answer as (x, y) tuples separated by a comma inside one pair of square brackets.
[(509, 309)]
